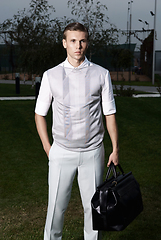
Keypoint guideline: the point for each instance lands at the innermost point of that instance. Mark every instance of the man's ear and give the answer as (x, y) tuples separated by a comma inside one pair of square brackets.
[(64, 43)]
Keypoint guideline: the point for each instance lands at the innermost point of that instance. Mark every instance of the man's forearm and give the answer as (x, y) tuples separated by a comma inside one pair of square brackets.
[(42, 131), (113, 132)]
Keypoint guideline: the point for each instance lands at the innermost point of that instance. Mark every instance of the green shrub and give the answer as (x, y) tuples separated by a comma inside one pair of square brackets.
[(121, 92)]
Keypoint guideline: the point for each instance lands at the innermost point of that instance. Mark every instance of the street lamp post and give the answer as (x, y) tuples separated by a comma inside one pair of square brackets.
[(143, 27), (128, 21), (153, 66), (148, 26), (144, 22), (130, 36)]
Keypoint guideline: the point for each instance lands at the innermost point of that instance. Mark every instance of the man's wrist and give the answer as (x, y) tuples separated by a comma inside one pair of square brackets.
[(116, 150)]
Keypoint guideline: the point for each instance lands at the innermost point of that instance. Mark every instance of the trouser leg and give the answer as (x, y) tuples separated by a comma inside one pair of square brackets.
[(90, 175), (62, 169)]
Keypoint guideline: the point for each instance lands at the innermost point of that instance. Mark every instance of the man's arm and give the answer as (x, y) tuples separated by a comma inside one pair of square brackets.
[(42, 131), (113, 132)]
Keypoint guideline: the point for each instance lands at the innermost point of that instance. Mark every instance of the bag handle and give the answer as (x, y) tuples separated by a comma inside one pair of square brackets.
[(112, 168)]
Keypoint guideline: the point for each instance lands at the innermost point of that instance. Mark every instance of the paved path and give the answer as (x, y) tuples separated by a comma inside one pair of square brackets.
[(147, 95), (17, 98)]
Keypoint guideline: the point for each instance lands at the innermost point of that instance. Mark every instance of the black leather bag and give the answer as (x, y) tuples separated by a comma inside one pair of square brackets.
[(116, 202)]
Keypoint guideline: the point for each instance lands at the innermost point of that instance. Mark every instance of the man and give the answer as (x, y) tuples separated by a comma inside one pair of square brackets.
[(77, 88)]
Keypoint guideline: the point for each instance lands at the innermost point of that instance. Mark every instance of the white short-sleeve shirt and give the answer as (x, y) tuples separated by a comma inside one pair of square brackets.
[(78, 96)]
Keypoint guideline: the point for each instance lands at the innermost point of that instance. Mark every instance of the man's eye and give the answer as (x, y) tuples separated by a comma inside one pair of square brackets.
[(83, 40), (73, 40)]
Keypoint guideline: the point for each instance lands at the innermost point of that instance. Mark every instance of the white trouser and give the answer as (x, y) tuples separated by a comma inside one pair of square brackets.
[(63, 165)]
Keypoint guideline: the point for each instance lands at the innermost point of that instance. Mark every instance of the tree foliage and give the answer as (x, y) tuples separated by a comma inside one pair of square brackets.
[(120, 57), (38, 35), (93, 14)]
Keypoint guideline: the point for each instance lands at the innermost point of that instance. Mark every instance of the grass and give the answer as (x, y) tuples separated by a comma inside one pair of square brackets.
[(24, 167), (9, 90)]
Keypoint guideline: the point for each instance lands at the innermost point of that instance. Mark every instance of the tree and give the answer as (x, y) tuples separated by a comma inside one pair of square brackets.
[(93, 15), (120, 57), (36, 35), (39, 37)]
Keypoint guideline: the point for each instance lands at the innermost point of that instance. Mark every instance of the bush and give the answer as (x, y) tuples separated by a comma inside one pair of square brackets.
[(124, 92), (158, 81)]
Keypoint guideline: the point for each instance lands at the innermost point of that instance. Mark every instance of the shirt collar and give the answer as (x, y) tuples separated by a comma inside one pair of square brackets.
[(85, 63)]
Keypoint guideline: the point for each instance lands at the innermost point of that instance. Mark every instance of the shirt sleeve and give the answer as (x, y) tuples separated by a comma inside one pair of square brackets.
[(108, 102), (44, 98)]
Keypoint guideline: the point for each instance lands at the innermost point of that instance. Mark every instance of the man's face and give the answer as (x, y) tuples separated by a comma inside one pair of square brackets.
[(76, 44)]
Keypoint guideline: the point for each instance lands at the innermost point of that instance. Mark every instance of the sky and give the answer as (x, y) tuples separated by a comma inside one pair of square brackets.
[(117, 13)]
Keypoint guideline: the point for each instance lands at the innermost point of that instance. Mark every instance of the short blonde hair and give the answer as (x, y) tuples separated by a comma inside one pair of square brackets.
[(76, 26)]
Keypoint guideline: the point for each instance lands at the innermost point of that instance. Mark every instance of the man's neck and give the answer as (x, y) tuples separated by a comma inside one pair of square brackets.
[(75, 63)]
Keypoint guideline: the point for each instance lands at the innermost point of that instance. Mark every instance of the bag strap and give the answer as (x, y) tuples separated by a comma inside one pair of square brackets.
[(112, 168), (121, 169)]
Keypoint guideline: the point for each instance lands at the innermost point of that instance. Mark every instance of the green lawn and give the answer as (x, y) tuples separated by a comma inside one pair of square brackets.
[(9, 90), (24, 167)]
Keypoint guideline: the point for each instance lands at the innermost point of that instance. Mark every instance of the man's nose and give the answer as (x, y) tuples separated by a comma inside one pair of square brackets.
[(79, 45)]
